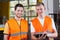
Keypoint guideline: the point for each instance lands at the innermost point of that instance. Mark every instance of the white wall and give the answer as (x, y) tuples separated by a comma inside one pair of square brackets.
[(48, 5)]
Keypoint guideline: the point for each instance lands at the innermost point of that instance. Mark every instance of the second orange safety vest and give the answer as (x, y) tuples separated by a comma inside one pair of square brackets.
[(46, 27), (17, 32)]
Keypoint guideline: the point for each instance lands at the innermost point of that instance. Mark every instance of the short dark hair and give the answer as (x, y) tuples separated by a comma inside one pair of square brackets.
[(40, 3), (18, 5)]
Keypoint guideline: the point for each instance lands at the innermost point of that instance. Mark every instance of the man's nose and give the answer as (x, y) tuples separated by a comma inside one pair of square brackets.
[(20, 12)]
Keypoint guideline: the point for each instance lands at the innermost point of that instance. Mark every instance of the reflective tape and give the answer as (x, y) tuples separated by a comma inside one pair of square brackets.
[(20, 33)]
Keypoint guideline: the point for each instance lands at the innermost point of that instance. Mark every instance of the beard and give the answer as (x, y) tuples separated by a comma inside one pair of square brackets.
[(18, 16)]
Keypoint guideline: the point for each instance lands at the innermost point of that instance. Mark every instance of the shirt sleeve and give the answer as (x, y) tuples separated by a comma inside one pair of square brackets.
[(53, 25), (6, 29), (32, 28)]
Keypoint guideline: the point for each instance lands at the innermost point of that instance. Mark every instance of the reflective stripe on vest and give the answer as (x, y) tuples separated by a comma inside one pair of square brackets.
[(20, 33)]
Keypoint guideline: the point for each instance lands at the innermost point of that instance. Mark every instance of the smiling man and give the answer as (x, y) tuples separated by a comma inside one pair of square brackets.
[(16, 28)]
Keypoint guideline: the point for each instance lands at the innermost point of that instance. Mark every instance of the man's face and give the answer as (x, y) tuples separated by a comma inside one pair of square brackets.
[(40, 9), (19, 11)]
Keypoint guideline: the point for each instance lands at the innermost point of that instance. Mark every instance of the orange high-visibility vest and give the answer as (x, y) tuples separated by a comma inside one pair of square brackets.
[(17, 32), (46, 27)]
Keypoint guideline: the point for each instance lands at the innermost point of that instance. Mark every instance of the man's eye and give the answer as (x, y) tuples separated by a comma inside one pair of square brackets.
[(37, 9), (21, 11), (18, 10)]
